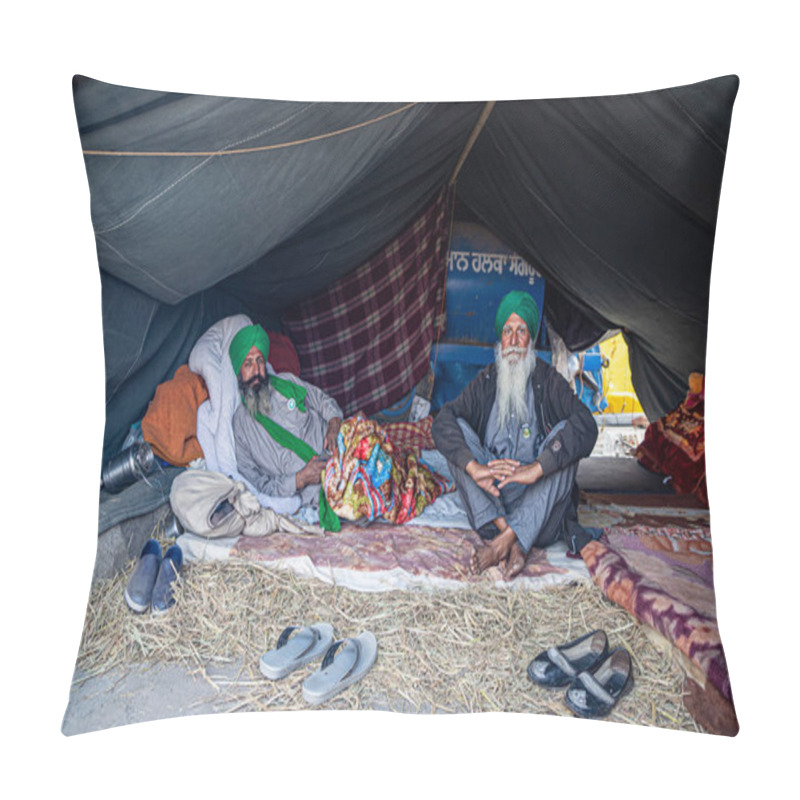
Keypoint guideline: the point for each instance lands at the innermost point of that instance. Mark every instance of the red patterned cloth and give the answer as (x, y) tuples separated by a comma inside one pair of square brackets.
[(366, 340), (675, 444), (411, 435)]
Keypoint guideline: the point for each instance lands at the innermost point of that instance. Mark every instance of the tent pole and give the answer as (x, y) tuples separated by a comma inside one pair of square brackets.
[(487, 109)]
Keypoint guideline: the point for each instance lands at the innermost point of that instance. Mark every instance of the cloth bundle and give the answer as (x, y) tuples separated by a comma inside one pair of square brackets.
[(214, 506), (675, 444), (408, 435), (368, 477)]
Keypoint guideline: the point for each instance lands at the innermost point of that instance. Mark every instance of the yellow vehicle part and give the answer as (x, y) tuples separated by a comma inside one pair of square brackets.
[(617, 383)]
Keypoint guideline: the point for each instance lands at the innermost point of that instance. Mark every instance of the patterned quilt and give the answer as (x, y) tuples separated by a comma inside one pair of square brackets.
[(380, 556), (663, 577), (675, 444), (370, 477)]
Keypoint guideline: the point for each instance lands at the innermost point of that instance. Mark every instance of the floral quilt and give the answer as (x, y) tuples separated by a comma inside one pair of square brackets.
[(370, 478)]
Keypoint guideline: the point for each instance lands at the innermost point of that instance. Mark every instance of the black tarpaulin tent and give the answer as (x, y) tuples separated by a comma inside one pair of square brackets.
[(207, 206)]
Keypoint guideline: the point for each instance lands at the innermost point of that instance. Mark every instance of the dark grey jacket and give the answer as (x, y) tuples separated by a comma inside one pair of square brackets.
[(555, 402)]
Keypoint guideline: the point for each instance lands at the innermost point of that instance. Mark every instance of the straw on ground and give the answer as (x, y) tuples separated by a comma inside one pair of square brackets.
[(451, 651)]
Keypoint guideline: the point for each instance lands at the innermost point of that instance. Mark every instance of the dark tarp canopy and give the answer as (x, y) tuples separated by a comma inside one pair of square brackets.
[(207, 206)]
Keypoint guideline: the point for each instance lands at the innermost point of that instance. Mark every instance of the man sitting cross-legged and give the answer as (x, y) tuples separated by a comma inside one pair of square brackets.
[(513, 439)]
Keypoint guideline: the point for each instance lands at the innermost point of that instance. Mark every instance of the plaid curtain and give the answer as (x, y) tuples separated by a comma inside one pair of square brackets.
[(366, 340)]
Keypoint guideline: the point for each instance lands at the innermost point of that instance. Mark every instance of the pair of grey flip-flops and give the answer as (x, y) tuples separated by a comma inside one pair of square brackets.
[(344, 661)]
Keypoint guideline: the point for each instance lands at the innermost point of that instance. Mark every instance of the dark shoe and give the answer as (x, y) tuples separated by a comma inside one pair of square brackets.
[(594, 694), (139, 591), (163, 598), (557, 666)]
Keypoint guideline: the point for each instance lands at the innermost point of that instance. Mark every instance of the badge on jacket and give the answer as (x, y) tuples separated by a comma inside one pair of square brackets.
[(526, 431)]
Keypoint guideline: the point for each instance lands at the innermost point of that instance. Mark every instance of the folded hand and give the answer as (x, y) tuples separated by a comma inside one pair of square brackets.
[(523, 473), (483, 476)]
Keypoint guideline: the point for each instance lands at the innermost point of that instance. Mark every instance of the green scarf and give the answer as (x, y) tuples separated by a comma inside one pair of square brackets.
[(327, 518), (290, 390)]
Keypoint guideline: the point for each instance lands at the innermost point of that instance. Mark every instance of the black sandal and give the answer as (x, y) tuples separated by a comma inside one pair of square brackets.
[(594, 694), (557, 666)]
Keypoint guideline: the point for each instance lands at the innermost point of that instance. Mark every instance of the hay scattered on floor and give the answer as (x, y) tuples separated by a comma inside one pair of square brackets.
[(452, 651)]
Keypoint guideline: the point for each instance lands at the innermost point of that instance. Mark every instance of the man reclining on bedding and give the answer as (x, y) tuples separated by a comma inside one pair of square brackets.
[(513, 439), (281, 417), (285, 430)]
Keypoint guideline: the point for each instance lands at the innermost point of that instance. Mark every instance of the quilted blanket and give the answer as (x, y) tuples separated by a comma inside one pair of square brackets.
[(370, 477), (663, 577), (675, 444), (382, 557)]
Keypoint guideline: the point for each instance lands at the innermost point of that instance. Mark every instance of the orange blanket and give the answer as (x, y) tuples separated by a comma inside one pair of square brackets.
[(170, 424)]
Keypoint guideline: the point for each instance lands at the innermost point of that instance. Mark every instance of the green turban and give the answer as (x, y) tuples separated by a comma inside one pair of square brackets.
[(242, 344), (521, 304), (244, 341)]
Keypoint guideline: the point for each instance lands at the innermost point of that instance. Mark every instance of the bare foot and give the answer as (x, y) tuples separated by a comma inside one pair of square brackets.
[(497, 551), (515, 562)]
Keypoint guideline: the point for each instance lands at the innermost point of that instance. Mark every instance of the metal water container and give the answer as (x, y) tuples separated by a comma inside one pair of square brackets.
[(127, 467)]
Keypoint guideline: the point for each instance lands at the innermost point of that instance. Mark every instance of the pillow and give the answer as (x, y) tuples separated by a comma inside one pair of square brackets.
[(332, 222)]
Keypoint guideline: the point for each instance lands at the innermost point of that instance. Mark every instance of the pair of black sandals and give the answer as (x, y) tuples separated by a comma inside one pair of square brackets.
[(596, 677)]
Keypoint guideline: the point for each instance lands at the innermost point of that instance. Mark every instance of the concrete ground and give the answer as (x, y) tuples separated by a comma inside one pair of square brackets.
[(141, 693)]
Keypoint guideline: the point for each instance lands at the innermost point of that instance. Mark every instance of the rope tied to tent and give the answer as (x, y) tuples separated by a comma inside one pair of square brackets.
[(247, 150)]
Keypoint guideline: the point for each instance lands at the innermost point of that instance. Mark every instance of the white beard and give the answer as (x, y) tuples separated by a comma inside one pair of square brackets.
[(257, 399), (514, 369)]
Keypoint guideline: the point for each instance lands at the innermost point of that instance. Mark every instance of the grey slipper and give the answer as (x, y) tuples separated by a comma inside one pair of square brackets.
[(291, 653), (346, 662)]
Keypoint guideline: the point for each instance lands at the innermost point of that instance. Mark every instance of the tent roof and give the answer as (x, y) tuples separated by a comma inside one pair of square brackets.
[(207, 205)]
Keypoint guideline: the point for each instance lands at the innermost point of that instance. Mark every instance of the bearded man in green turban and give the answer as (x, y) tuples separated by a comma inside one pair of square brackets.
[(284, 426), (512, 440)]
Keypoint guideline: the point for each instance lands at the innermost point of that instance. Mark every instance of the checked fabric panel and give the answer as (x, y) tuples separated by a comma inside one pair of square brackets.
[(366, 339)]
